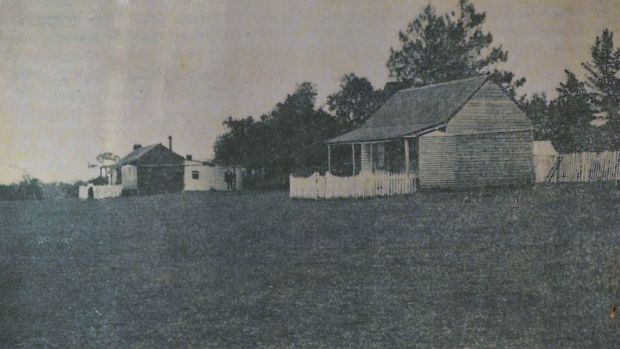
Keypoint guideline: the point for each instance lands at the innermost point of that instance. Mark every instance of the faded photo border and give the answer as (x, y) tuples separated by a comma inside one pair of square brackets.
[(279, 173)]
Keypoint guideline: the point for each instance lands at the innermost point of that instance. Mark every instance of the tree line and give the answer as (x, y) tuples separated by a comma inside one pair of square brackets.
[(433, 48), (585, 114), (27, 189), (30, 188), (34, 189)]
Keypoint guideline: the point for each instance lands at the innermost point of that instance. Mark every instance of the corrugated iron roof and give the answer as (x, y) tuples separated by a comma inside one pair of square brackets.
[(136, 154), (415, 109)]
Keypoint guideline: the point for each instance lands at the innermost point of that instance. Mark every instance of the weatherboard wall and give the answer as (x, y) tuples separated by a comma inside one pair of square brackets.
[(493, 159), (437, 160), (160, 171), (475, 160), (489, 109), (493, 140)]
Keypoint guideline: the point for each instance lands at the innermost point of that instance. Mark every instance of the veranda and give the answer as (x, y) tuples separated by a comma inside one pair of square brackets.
[(374, 169), (390, 156)]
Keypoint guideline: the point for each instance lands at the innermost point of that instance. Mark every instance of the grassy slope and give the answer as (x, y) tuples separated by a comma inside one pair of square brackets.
[(524, 268)]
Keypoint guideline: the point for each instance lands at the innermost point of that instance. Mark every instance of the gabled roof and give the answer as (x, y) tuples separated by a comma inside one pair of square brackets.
[(136, 154), (415, 109)]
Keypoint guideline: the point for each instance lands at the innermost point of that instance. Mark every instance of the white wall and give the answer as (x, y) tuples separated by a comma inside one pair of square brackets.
[(129, 177), (545, 157), (100, 191), (209, 177), (543, 165)]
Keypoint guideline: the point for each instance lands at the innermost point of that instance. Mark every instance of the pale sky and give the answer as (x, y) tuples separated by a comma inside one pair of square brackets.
[(79, 78)]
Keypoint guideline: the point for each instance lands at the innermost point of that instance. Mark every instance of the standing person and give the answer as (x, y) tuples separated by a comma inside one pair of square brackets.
[(233, 177), (228, 180)]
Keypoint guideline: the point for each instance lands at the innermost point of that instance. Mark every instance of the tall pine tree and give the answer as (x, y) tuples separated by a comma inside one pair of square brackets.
[(437, 48), (571, 115), (603, 78), (537, 109)]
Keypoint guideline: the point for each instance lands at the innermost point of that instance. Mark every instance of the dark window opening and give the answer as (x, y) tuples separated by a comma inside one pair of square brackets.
[(195, 175)]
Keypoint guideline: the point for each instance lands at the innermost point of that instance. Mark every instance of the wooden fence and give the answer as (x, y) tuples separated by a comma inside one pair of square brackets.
[(586, 167), (362, 186)]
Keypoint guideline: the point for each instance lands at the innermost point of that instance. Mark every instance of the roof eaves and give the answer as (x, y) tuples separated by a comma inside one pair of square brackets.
[(132, 156), (425, 130), (376, 140)]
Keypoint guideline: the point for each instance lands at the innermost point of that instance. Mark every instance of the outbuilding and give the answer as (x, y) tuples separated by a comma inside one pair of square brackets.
[(152, 169), (205, 176)]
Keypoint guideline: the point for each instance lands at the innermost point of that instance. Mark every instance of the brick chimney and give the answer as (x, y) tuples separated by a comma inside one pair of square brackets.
[(137, 146), (170, 143), (188, 157)]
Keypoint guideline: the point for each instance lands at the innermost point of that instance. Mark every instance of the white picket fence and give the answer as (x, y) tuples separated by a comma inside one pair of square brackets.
[(365, 185), (586, 167)]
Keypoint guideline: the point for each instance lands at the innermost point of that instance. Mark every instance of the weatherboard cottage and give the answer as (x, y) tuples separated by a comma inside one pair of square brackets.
[(463, 133), (152, 169)]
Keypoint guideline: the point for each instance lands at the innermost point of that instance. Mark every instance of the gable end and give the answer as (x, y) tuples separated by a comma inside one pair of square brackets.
[(489, 109), (160, 155)]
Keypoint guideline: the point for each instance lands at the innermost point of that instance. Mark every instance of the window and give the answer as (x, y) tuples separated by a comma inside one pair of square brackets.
[(195, 174)]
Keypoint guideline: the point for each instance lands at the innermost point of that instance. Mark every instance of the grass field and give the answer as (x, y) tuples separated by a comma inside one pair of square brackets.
[(511, 268)]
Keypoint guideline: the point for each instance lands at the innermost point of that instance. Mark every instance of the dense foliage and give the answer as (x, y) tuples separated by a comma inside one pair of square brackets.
[(290, 138), (572, 115), (34, 189), (355, 101), (603, 79), (27, 189), (437, 48), (105, 160), (568, 119)]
